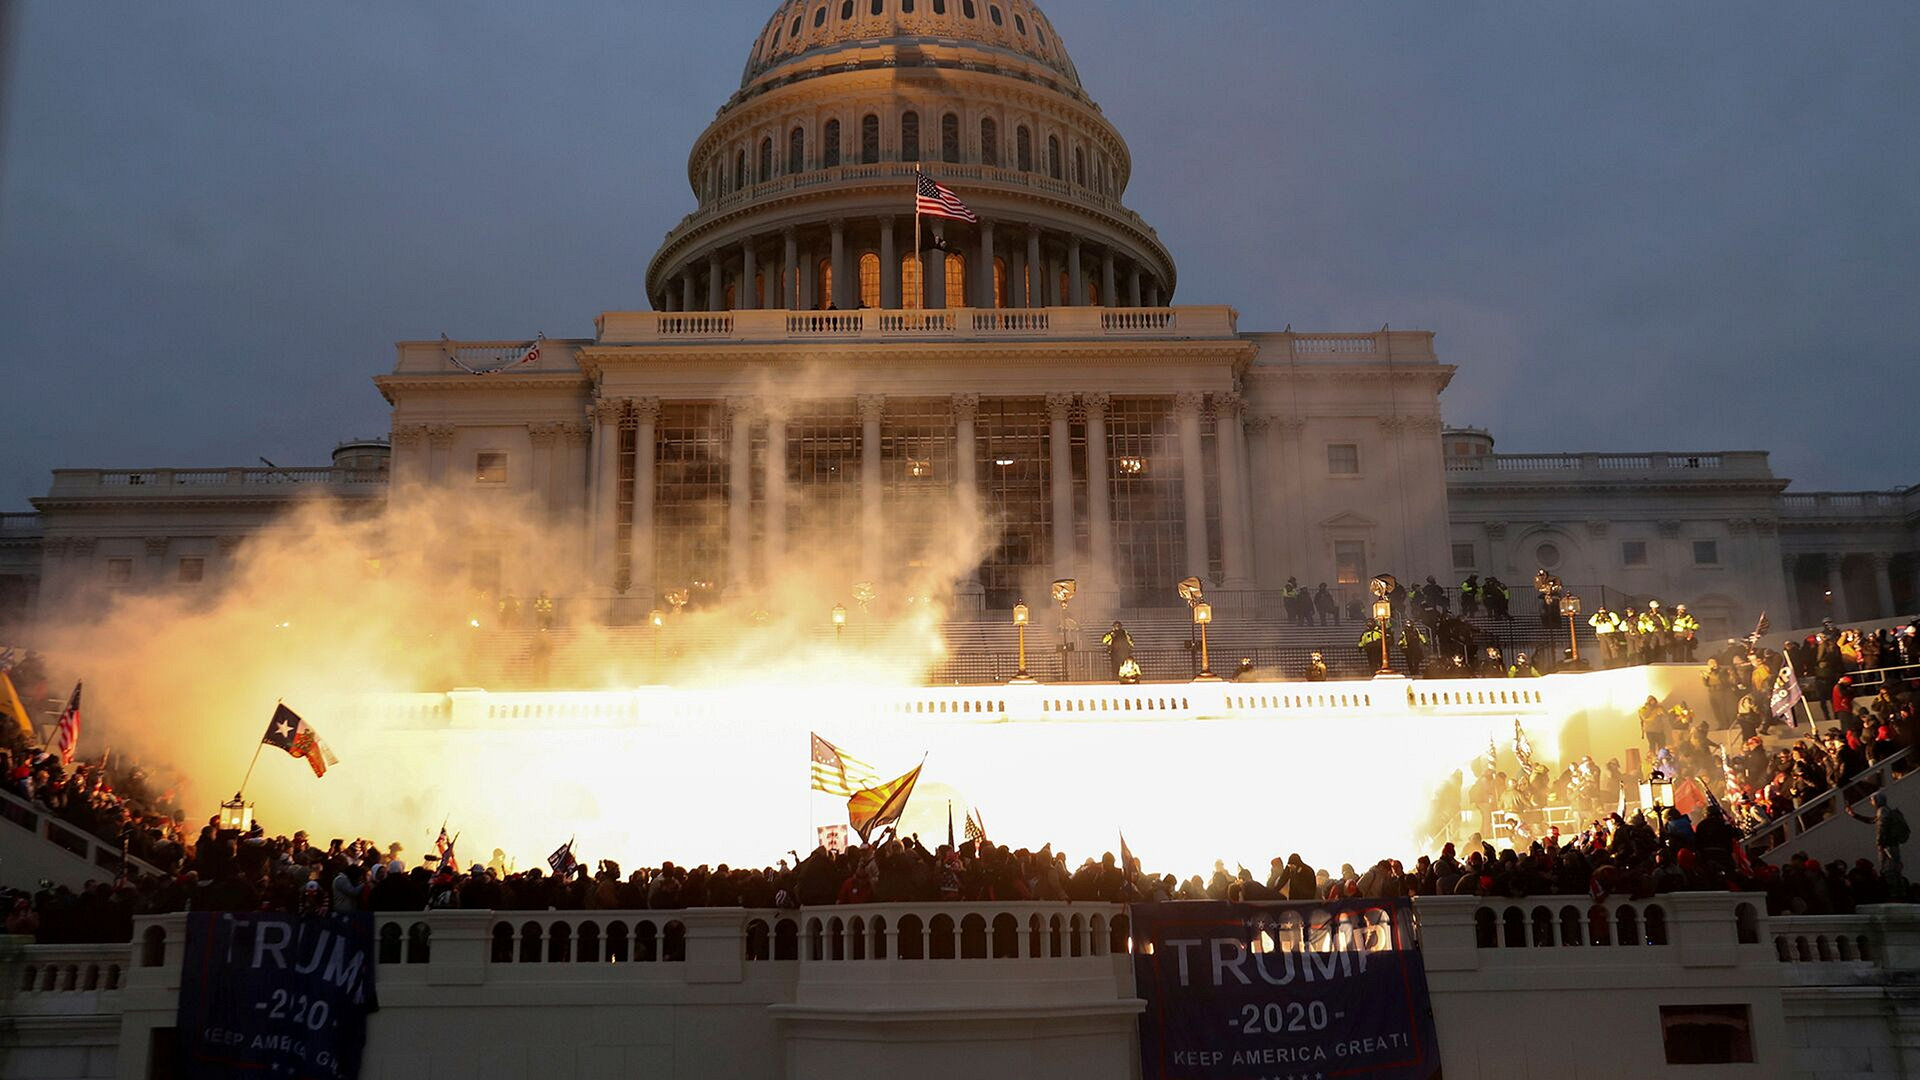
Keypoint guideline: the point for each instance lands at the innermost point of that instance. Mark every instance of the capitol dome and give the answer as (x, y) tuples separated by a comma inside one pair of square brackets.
[(805, 178)]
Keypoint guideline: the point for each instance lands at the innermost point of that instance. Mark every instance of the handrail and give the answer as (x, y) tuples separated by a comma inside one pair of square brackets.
[(1787, 826), (1858, 685), (77, 841)]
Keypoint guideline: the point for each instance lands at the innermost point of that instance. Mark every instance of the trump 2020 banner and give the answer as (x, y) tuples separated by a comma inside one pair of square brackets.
[(1282, 991), (284, 996)]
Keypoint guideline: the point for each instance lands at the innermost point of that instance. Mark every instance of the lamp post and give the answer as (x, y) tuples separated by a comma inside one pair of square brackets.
[(1570, 607), (1202, 615), (658, 620), (1020, 614), (1063, 591), (839, 621), (1383, 618)]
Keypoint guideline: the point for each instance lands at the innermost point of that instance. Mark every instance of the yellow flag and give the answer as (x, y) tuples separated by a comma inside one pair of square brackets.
[(10, 702), (877, 807)]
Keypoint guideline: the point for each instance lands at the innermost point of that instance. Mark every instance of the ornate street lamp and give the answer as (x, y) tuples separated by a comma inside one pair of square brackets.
[(839, 620), (1202, 615), (1383, 618), (1020, 615), (1570, 608), (236, 814), (1063, 591)]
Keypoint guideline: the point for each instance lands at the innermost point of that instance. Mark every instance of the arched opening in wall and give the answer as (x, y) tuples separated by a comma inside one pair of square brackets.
[(1093, 292), (1079, 166), (989, 142), (909, 136), (727, 299), (911, 292), (999, 282), (759, 290), (766, 159), (1023, 148), (796, 150), (1053, 157), (956, 279), (823, 284), (1065, 295), (830, 145), (739, 169), (869, 280), (846, 10), (950, 137), (870, 139)]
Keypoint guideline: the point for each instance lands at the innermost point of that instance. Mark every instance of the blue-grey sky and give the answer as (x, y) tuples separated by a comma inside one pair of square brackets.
[(1633, 225)]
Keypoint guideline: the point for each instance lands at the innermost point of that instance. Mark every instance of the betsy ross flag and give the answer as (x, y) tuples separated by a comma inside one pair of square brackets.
[(837, 772), (562, 860), (937, 200), (881, 806), (67, 728), (289, 732)]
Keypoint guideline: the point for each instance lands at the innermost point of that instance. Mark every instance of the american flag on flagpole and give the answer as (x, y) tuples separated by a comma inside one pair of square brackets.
[(562, 860), (976, 827), (936, 199), (67, 730)]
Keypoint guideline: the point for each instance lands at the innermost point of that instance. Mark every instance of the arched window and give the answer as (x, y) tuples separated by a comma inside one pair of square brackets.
[(846, 10), (950, 138), (1019, 24), (993, 12), (999, 282), (1053, 156), (794, 30), (956, 279), (869, 280), (911, 290), (823, 284), (766, 160), (940, 6), (909, 136), (874, 8), (1065, 295), (989, 142), (906, 7), (1023, 148), (820, 16), (796, 150), (869, 139), (1080, 166), (830, 145), (966, 8), (739, 169)]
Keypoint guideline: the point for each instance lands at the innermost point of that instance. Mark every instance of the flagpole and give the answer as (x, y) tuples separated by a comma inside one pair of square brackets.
[(918, 263), (277, 702), (1787, 661)]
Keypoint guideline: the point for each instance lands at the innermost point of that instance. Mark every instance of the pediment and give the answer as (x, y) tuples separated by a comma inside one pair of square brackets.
[(1349, 520)]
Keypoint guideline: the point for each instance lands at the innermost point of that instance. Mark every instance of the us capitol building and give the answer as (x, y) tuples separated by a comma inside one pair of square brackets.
[(806, 365)]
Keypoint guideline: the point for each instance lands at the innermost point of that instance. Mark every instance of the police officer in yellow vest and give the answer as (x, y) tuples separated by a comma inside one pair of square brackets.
[(1606, 630), (1685, 629), (1654, 628), (1370, 646)]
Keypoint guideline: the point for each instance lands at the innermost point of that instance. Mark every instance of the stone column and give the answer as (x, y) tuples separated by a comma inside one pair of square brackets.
[(1060, 481), (1133, 285), (889, 267), (872, 531), (1017, 277), (440, 452), (1789, 571), (1193, 482), (1108, 297), (837, 254), (606, 503), (966, 480), (716, 283), (739, 493), (1234, 547), (1100, 575), (1883, 582), (646, 413), (983, 274), (746, 299), (775, 540), (1153, 294), (669, 298), (1036, 271), (1076, 283), (789, 284), (933, 278), (543, 438), (686, 290), (1836, 587)]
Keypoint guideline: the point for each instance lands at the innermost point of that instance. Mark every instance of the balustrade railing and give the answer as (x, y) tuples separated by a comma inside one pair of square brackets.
[(143, 481), (765, 324), (68, 836), (1831, 803)]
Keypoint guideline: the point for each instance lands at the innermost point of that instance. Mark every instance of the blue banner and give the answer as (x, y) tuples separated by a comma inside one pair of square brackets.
[(284, 996), (1282, 991)]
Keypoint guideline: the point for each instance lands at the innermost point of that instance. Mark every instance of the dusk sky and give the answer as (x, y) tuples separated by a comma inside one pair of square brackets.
[(1633, 225)]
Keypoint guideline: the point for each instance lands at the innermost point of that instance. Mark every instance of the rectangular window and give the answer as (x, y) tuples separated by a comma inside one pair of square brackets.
[(1463, 556), (119, 571), (1350, 561), (490, 467), (192, 570), (1706, 553), (1343, 459), (1633, 553), (1707, 1034)]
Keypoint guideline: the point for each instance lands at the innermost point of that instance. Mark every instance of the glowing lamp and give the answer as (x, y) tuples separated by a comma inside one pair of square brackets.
[(236, 814), (1570, 608), (839, 615), (1203, 613), (1382, 610), (1020, 613), (1383, 618), (657, 617), (1020, 616)]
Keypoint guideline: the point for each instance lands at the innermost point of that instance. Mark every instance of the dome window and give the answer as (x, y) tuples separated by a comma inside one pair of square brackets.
[(846, 10), (966, 8), (875, 8), (775, 43), (993, 12), (796, 150), (1019, 24), (739, 169), (830, 145), (906, 7), (870, 279), (794, 30), (869, 139), (950, 137), (766, 160), (1053, 156), (819, 17), (1023, 148), (940, 6), (1080, 166), (909, 136), (989, 142), (1039, 35)]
